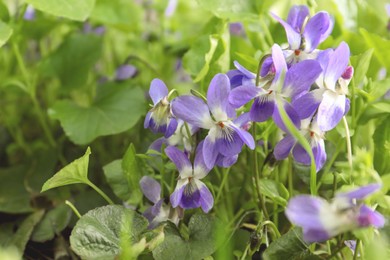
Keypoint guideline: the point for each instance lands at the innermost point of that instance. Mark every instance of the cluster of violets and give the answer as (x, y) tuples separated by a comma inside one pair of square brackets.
[(309, 84)]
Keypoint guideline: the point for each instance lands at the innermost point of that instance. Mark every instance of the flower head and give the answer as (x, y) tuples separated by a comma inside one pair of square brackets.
[(322, 220)]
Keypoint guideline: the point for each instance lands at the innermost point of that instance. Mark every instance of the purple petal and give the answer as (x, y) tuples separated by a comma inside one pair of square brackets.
[(177, 194), (347, 106), (300, 155), (283, 148), (125, 71), (245, 136), (218, 94), (243, 70), (229, 146), (266, 67), (368, 217), (241, 95), (315, 235), (206, 198), (338, 62), (192, 110), (300, 77), (293, 37), (226, 161), (191, 197), (157, 207), (178, 158), (304, 211), (29, 14), (171, 7), (149, 215), (171, 128), (158, 90), (291, 113), (361, 192), (297, 16), (200, 167), (147, 120), (331, 110), (150, 188), (156, 128), (243, 120), (157, 144), (316, 27), (307, 104), (279, 61), (319, 154), (210, 152), (262, 108), (235, 77)]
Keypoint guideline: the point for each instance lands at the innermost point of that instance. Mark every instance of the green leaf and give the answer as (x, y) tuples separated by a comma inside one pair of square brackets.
[(73, 60), (5, 33), (22, 235), (116, 109), (72, 9), (275, 191), (52, 223), (382, 147), (97, 234), (14, 197), (132, 173), (380, 46), (75, 172), (289, 246), (233, 9), (117, 180), (375, 110), (361, 64), (201, 242)]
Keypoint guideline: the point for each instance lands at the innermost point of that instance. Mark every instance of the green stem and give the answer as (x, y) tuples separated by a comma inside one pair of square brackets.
[(273, 226), (76, 212), (93, 186), (224, 178), (355, 255), (349, 146)]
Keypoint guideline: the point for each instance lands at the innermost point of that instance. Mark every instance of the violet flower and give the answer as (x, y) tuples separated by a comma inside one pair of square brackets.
[(160, 118), (304, 33), (125, 71), (329, 100), (225, 136), (29, 14), (321, 220), (297, 82), (241, 76), (314, 136), (160, 211), (190, 192)]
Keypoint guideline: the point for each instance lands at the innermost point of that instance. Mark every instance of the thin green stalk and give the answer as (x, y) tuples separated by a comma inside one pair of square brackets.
[(221, 187), (348, 137), (70, 204), (273, 226), (93, 186), (357, 248), (290, 177)]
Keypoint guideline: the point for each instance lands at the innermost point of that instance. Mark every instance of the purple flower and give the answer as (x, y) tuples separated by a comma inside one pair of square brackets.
[(190, 192), (314, 136), (125, 71), (160, 211), (225, 136), (29, 14), (241, 76), (329, 100), (304, 33), (159, 118), (321, 220), (236, 29), (297, 82)]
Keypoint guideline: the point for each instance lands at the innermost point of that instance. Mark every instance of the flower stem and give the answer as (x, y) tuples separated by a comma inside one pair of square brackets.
[(348, 137), (356, 253), (93, 186), (76, 212)]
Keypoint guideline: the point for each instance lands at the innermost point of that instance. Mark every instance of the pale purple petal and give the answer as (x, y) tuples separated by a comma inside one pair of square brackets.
[(243, 70), (29, 14), (304, 211), (171, 7), (150, 188), (262, 108), (210, 152), (192, 110), (125, 71), (300, 155), (171, 128), (283, 148), (200, 167), (177, 194), (317, 26), (293, 37), (307, 104), (206, 198), (266, 67), (156, 208), (315, 235), (149, 215), (230, 146), (331, 110), (368, 217), (157, 144), (245, 137), (300, 77), (347, 106), (297, 16), (147, 120), (178, 158), (361, 192), (242, 120), (226, 161), (218, 94), (291, 113), (319, 154), (158, 90), (338, 62), (279, 61), (241, 95)]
